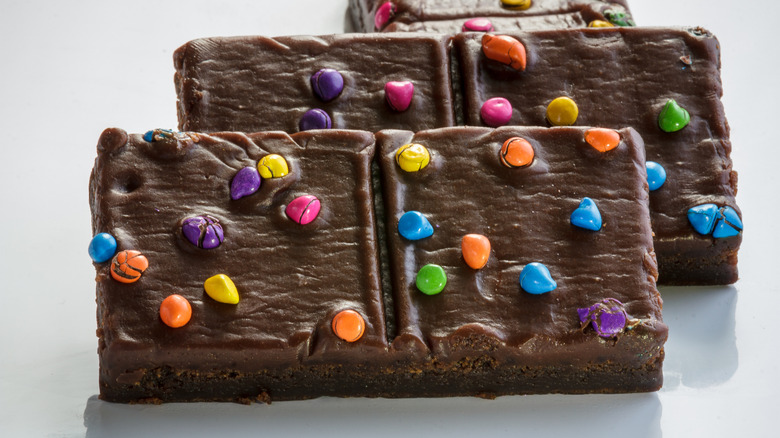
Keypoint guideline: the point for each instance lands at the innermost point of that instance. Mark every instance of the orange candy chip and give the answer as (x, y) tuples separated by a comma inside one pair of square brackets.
[(504, 49), (348, 325), (128, 266), (602, 139), (175, 311), (516, 152), (476, 250)]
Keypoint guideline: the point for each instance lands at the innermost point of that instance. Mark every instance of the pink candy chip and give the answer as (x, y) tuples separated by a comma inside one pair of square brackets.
[(383, 15), (477, 25), (303, 209), (399, 94), (496, 112)]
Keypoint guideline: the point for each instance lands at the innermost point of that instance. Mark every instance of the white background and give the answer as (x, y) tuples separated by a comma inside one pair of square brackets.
[(68, 70)]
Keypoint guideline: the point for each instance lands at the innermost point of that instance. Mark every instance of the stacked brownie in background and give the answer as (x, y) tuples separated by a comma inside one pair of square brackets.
[(451, 16), (329, 277)]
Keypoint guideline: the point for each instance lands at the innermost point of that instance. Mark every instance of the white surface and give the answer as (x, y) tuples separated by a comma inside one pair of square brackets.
[(69, 71)]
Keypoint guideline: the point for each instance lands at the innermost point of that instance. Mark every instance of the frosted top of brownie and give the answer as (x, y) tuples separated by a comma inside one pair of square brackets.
[(525, 212), (258, 83), (626, 77)]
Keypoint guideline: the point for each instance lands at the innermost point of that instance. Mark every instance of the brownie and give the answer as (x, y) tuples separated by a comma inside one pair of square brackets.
[(626, 77), (258, 83), (296, 273), (485, 315), (291, 278), (448, 16)]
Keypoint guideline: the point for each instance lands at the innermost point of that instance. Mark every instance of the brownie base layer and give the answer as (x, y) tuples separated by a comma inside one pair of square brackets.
[(697, 267), (478, 377)]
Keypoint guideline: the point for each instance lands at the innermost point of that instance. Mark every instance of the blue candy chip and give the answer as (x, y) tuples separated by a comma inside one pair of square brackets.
[(536, 279), (102, 247), (587, 215), (703, 217), (729, 224), (149, 135), (722, 230), (656, 175), (413, 225)]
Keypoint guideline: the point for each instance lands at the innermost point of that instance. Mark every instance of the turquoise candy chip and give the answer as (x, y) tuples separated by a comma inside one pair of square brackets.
[(731, 216), (722, 230), (102, 247), (413, 225), (149, 136), (587, 215), (722, 222), (536, 279), (702, 217), (729, 224), (656, 175)]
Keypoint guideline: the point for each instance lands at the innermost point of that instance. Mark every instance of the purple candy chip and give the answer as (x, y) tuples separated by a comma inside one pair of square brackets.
[(607, 317), (203, 231), (315, 119), (246, 182), (327, 84)]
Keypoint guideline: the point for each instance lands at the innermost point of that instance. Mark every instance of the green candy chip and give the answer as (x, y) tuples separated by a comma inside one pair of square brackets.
[(431, 279)]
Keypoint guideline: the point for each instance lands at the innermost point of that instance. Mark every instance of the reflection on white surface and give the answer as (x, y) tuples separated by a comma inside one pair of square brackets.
[(544, 416), (702, 348)]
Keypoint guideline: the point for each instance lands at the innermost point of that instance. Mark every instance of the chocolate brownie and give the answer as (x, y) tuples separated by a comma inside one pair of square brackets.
[(292, 278), (449, 16), (523, 213), (258, 83), (666, 84), (230, 286)]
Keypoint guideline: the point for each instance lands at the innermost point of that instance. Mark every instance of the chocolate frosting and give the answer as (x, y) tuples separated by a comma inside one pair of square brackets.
[(524, 212), (257, 83), (579, 18)]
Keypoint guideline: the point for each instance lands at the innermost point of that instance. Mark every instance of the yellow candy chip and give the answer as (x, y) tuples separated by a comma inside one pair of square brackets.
[(221, 288), (517, 5), (272, 166), (600, 23), (412, 157), (562, 111)]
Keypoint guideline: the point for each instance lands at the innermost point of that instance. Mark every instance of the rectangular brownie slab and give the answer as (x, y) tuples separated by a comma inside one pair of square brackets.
[(296, 270), (258, 83), (512, 315), (292, 277), (449, 16), (643, 78)]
